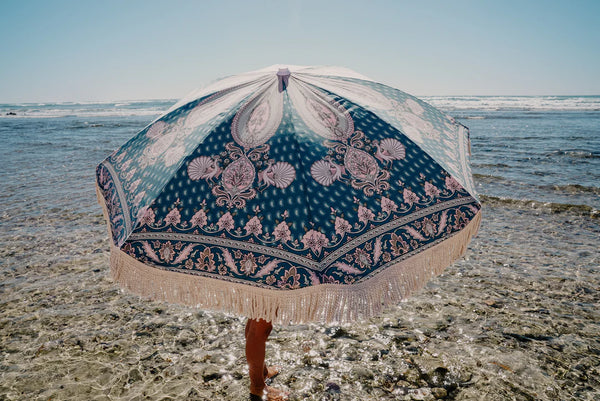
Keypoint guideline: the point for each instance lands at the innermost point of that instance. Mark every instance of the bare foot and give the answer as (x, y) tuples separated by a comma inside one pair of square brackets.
[(272, 371), (274, 394)]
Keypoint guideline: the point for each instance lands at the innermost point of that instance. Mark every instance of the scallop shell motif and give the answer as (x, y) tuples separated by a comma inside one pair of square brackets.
[(393, 148), (161, 145), (322, 172), (200, 167), (156, 130), (283, 174), (174, 155)]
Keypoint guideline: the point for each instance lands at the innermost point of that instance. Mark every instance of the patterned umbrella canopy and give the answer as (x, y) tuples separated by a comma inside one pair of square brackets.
[(308, 193)]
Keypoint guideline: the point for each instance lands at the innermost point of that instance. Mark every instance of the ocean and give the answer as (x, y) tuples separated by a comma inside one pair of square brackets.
[(516, 318), (542, 150), (538, 148)]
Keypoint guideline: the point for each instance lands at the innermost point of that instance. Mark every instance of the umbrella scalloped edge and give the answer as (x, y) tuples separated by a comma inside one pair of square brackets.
[(329, 303)]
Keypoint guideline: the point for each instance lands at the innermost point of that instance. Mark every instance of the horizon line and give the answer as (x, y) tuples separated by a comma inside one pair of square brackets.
[(177, 99)]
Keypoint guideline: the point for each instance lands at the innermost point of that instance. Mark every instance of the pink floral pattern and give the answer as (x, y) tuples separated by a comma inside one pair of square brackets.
[(167, 253), (362, 258), (342, 226), (147, 216), (292, 274), (173, 218), (315, 241), (205, 261), (282, 232), (431, 190), (348, 268), (388, 205), (253, 226), (226, 222), (409, 196), (199, 219), (365, 214), (248, 264), (452, 184)]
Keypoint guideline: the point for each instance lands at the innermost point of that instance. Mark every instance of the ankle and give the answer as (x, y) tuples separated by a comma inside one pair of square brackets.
[(257, 391)]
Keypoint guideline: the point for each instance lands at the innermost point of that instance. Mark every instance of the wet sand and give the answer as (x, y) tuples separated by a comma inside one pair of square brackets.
[(516, 319)]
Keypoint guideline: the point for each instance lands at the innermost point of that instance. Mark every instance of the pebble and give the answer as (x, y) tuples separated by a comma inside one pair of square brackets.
[(439, 392)]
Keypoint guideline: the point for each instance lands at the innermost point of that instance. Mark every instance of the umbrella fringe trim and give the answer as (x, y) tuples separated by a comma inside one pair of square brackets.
[(330, 303)]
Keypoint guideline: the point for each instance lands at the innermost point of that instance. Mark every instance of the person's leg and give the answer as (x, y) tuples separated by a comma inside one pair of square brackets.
[(257, 332)]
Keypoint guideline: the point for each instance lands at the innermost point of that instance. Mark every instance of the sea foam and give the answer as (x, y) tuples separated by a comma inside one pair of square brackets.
[(531, 103)]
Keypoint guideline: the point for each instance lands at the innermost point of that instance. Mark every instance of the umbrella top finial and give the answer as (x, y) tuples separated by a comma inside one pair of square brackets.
[(283, 75)]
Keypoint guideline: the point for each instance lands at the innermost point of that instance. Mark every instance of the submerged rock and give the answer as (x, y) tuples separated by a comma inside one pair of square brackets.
[(439, 392), (211, 372), (332, 388)]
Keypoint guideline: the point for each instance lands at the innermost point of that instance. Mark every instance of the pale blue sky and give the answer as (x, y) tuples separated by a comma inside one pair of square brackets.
[(114, 50)]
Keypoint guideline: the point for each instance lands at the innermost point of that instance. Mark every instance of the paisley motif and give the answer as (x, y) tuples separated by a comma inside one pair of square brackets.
[(218, 188), (236, 184), (321, 114), (331, 120), (258, 119), (256, 122), (210, 107), (238, 176), (361, 165), (365, 172)]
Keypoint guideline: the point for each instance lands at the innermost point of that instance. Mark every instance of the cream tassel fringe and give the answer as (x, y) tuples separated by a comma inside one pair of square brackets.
[(325, 302)]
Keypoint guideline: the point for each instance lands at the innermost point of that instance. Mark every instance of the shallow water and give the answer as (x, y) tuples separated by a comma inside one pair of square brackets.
[(517, 318)]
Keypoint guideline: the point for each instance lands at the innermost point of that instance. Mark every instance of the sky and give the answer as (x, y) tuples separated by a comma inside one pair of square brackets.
[(59, 51)]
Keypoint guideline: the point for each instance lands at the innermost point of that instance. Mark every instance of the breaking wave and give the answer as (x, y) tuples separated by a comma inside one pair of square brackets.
[(525, 103), (551, 207), (85, 109)]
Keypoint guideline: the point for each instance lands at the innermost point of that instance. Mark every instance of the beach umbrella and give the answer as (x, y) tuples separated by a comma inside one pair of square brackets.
[(290, 194)]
